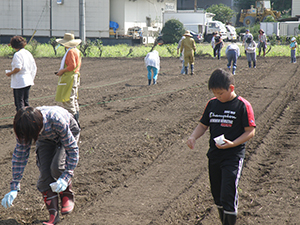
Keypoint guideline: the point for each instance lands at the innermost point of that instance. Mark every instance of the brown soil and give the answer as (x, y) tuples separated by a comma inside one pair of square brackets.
[(135, 167)]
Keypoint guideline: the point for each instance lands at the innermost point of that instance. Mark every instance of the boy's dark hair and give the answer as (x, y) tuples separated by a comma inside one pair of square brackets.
[(220, 79), (18, 42), (28, 123)]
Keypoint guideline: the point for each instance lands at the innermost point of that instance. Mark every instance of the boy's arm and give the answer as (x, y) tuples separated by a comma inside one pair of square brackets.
[(247, 135), (197, 133)]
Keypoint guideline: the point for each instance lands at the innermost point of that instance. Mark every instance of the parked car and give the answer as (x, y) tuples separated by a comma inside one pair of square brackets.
[(231, 33)]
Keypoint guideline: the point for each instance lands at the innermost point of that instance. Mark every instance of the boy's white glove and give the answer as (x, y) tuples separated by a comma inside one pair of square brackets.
[(9, 198), (59, 186)]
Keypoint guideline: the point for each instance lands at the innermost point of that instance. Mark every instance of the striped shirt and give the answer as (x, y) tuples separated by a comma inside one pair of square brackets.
[(56, 128)]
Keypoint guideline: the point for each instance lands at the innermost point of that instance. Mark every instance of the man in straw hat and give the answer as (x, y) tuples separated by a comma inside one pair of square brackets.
[(69, 76), (188, 47)]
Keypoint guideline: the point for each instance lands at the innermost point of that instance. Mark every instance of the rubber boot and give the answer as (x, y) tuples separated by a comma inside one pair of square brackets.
[(249, 64), (264, 54), (67, 200), (221, 214), (192, 69), (51, 201), (154, 81), (186, 69), (149, 81), (229, 219), (254, 64)]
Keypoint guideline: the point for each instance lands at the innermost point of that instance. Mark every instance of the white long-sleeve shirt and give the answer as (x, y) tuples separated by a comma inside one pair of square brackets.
[(233, 47), (25, 77), (250, 47), (152, 59)]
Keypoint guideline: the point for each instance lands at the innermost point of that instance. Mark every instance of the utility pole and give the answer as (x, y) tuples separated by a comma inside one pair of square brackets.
[(82, 34)]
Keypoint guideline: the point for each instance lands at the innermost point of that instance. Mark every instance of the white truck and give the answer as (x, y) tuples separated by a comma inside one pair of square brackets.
[(198, 21), (215, 26)]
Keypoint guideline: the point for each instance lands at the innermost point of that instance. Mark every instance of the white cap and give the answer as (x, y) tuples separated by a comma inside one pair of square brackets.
[(293, 39)]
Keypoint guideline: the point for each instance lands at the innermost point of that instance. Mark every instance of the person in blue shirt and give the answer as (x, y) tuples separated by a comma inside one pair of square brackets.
[(293, 47), (55, 133)]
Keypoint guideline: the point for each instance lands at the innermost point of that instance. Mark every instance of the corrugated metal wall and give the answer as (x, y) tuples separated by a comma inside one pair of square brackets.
[(23, 17)]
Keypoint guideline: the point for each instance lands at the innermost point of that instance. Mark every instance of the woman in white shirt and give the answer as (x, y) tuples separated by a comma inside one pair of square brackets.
[(23, 72)]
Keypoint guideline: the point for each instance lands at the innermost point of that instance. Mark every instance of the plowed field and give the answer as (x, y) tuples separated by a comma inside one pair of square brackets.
[(135, 167)]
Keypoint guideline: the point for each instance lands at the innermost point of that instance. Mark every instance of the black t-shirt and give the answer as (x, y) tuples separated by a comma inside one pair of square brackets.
[(228, 118)]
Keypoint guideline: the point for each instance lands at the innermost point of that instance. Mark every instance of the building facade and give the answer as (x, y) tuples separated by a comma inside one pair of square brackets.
[(295, 8), (53, 18), (202, 4)]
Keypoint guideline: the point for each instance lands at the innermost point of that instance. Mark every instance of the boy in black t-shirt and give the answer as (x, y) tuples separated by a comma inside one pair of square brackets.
[(232, 116)]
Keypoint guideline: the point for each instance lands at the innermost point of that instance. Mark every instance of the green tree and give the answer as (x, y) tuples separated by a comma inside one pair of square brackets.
[(223, 12), (172, 31)]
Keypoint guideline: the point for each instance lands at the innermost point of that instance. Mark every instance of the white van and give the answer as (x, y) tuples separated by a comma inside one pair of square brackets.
[(216, 26), (231, 33)]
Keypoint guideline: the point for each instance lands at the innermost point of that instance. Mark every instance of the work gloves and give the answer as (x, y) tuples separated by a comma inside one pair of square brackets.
[(9, 198), (59, 186)]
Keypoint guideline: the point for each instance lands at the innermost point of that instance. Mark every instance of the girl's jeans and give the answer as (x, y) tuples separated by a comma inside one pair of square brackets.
[(232, 57), (293, 56), (251, 57), (155, 72)]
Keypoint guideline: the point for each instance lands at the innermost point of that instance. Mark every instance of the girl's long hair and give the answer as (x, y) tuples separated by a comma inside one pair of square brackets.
[(28, 123)]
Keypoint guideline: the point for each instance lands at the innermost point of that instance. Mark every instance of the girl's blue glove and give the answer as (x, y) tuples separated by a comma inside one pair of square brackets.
[(9, 198), (59, 186)]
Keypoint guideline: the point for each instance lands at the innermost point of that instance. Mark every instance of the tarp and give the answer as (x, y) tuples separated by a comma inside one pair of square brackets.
[(113, 25)]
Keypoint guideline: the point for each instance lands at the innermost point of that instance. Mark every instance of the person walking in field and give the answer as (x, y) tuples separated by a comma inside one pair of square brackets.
[(188, 49), (212, 43), (152, 62), (23, 72), (218, 42), (231, 123), (69, 75), (262, 42), (55, 133), (232, 53), (293, 47), (250, 47), (181, 57), (247, 33)]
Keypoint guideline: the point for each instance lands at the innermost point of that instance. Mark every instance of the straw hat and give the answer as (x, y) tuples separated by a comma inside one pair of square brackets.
[(69, 41), (187, 33)]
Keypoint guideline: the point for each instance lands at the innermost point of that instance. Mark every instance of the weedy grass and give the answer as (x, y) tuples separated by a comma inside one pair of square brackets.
[(123, 50)]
